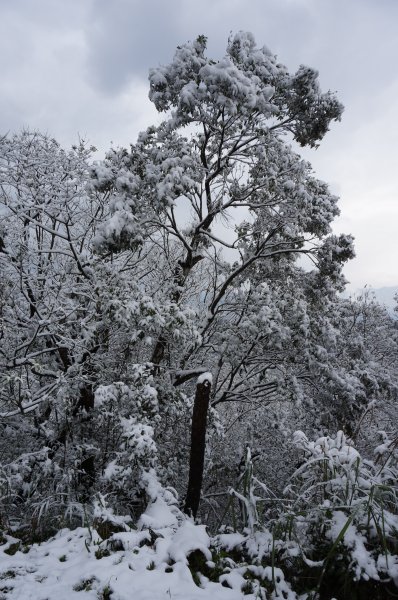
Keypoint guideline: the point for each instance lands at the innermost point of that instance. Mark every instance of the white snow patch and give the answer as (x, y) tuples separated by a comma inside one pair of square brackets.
[(205, 377), (66, 568), (188, 538)]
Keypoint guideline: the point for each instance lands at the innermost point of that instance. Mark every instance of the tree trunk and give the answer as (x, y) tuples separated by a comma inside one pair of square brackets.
[(83, 413), (198, 441)]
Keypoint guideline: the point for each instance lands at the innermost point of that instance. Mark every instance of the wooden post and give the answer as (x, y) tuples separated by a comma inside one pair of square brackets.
[(198, 442)]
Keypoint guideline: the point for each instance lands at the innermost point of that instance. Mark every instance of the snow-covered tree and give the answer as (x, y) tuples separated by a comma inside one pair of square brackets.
[(71, 322), (224, 148)]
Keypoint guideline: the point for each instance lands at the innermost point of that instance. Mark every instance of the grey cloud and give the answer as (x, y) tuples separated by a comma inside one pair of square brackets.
[(126, 37), (54, 14)]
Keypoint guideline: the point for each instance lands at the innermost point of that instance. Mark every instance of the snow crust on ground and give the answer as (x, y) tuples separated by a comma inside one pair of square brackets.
[(66, 567)]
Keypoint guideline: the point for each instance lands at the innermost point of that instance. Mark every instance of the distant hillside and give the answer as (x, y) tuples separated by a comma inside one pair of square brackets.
[(385, 295)]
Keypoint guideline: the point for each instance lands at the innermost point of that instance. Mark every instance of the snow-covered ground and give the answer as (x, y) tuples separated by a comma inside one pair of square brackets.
[(66, 567)]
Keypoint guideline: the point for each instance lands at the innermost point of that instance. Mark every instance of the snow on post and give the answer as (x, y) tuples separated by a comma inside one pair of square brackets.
[(205, 377)]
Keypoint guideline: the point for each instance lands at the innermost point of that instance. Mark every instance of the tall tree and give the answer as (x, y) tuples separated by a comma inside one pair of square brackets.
[(238, 115)]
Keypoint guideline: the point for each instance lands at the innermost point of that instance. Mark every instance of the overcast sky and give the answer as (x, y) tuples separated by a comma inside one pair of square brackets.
[(79, 67)]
